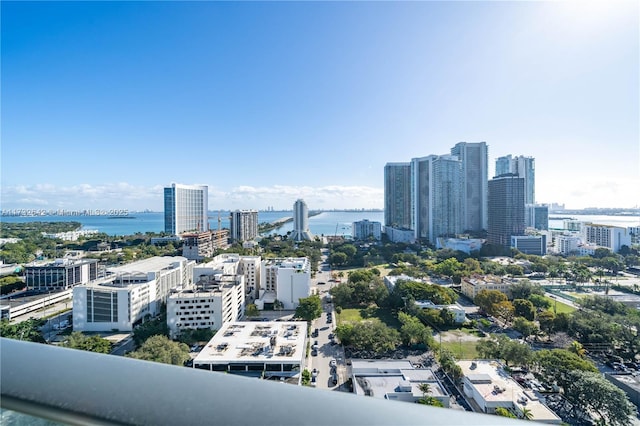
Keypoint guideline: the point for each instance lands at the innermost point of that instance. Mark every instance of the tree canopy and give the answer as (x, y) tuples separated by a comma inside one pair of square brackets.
[(309, 308), (94, 343), (161, 349)]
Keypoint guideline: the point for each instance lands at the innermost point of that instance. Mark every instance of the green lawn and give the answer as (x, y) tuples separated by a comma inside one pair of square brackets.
[(559, 306), (462, 350), (355, 315)]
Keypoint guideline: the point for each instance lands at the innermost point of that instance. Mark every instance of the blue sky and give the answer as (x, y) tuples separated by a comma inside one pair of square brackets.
[(104, 103)]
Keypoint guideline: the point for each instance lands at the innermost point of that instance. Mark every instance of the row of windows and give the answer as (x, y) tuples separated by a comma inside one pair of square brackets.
[(186, 302), (182, 314)]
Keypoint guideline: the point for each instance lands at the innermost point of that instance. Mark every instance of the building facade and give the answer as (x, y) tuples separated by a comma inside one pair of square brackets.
[(60, 274), (530, 244), (186, 208), (199, 245), (436, 197), (128, 293), (244, 225), (506, 209), (523, 167), (397, 196), (269, 350), (474, 161), (471, 286), (301, 222), (365, 229), (611, 237), (286, 280), (537, 216), (213, 301)]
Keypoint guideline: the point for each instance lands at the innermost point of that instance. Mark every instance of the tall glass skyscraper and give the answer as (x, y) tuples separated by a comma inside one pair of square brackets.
[(186, 208), (524, 167), (301, 222), (506, 209), (436, 196), (397, 195), (474, 161)]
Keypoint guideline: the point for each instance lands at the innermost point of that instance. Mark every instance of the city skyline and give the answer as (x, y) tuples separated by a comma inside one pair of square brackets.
[(105, 102)]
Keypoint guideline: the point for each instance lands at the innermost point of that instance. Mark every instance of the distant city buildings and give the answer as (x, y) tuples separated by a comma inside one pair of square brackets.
[(301, 222), (537, 216), (244, 225), (186, 208), (365, 229)]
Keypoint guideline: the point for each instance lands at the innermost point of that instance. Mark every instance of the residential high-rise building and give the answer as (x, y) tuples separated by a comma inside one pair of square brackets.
[(244, 225), (537, 216), (474, 159), (436, 196), (301, 222), (397, 195), (185, 208), (524, 167), (506, 209), (364, 229)]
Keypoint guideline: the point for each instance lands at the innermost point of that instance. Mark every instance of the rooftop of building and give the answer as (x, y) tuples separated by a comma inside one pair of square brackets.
[(250, 342), (380, 378), (287, 262), (496, 385), (152, 264), (60, 262)]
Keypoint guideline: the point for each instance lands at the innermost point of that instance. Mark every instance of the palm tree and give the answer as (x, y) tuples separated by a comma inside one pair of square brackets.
[(527, 414), (425, 388)]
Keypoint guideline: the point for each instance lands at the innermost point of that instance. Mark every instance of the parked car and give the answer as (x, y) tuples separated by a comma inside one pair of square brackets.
[(333, 363)]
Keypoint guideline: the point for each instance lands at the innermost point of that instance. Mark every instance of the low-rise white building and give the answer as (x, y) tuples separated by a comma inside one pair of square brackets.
[(213, 301), (530, 244), (398, 235), (566, 244), (611, 237), (491, 387), (234, 264), (269, 350), (395, 380), (285, 279), (466, 245), (129, 293), (459, 314)]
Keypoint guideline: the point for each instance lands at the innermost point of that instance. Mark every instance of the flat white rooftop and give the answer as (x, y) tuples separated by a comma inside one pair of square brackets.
[(488, 376), (256, 342), (379, 378), (152, 264)]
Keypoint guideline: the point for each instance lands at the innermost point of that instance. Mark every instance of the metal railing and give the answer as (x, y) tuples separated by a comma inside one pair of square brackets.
[(84, 388)]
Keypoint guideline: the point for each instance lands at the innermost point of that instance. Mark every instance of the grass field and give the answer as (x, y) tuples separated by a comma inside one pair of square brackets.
[(462, 349), (355, 315), (559, 306)]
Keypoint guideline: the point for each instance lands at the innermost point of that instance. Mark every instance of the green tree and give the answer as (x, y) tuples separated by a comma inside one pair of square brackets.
[(546, 320), (94, 343), (28, 330), (503, 412), (539, 301), (413, 331), (524, 308), (526, 327), (161, 349), (252, 310), (591, 392), (371, 334), (427, 399), (487, 299), (306, 377), (309, 308), (151, 327), (554, 365)]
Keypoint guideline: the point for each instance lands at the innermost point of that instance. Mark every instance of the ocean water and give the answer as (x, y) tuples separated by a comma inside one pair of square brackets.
[(325, 223)]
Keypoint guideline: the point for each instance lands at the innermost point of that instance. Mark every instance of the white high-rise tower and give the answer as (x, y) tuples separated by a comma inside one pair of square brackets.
[(186, 208), (301, 222)]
